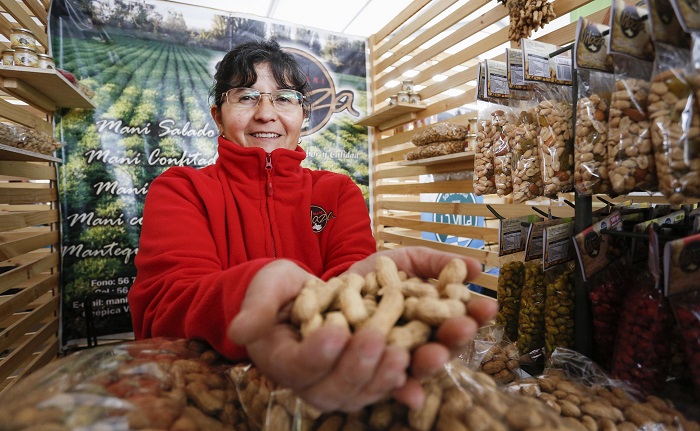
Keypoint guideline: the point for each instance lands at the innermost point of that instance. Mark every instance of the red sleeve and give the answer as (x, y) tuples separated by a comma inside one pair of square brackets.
[(182, 289), (351, 239)]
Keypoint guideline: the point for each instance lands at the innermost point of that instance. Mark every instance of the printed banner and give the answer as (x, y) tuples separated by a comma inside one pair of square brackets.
[(150, 65)]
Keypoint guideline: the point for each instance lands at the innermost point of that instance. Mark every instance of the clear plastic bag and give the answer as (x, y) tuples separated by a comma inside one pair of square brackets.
[(532, 303), (527, 169), (587, 398), (590, 144), (643, 340), (157, 383), (511, 278), (555, 137)]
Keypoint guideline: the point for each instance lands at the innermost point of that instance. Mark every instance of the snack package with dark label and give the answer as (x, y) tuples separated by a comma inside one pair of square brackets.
[(527, 168)]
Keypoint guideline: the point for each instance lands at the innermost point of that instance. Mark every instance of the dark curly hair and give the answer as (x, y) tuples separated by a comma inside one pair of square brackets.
[(237, 69)]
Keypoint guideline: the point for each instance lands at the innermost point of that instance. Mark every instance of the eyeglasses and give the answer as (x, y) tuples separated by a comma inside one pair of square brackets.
[(284, 100)]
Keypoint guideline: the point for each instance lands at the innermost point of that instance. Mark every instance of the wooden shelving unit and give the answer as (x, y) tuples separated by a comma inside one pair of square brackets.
[(30, 240), (466, 156), (391, 116)]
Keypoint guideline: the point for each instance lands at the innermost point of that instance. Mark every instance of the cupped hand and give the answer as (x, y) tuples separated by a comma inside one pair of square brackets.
[(330, 369)]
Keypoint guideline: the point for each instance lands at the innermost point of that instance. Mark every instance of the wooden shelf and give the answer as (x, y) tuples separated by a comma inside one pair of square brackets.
[(391, 116), (449, 158), (27, 83), (19, 155)]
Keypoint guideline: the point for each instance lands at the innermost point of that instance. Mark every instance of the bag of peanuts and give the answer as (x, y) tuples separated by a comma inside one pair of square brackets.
[(674, 111), (631, 164), (527, 169), (595, 79), (26, 138), (494, 354), (459, 398), (439, 140), (158, 383), (586, 398), (555, 137), (590, 145), (490, 136)]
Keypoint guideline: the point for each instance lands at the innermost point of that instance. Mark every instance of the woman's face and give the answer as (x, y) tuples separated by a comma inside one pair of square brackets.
[(262, 126)]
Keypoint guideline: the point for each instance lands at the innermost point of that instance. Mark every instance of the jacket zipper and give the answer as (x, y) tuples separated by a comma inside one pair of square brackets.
[(268, 187)]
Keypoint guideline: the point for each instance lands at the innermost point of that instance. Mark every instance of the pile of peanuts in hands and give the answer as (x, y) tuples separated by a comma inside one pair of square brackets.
[(405, 310)]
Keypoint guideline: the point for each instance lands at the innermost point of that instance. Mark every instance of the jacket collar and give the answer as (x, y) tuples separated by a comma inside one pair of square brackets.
[(252, 161)]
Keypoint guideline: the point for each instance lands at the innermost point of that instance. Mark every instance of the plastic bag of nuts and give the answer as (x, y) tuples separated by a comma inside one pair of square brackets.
[(531, 316), (675, 133), (590, 143), (588, 399), (458, 399), (27, 138), (559, 307), (511, 278), (526, 173), (490, 135), (555, 137), (503, 156), (686, 308), (157, 383), (494, 354), (643, 340), (631, 164), (607, 290)]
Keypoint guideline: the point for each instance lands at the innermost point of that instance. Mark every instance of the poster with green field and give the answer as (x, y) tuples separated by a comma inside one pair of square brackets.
[(148, 67)]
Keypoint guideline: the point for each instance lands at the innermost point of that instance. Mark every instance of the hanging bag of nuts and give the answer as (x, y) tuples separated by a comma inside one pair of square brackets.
[(673, 107), (555, 138), (631, 164), (526, 172), (595, 83), (490, 123), (642, 349), (683, 294)]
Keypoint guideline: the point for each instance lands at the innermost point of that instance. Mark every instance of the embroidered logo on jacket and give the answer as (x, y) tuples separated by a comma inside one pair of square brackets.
[(319, 218)]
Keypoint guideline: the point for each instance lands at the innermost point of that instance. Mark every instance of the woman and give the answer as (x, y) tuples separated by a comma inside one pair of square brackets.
[(224, 250)]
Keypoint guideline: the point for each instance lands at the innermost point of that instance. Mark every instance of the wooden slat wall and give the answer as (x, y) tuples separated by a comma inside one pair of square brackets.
[(29, 225), (422, 43)]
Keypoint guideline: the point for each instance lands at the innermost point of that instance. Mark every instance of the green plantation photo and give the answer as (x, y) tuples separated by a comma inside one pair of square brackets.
[(151, 79)]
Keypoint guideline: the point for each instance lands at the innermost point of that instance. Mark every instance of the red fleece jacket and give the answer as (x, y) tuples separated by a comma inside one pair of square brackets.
[(206, 232)]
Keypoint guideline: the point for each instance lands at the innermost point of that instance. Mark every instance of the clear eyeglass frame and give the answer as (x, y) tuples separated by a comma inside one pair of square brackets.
[(284, 100)]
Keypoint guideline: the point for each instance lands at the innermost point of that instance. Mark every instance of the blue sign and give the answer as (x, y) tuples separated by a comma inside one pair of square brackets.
[(460, 219)]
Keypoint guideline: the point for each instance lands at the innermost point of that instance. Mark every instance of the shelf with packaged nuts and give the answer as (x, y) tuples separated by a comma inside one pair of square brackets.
[(45, 88), (447, 158), (391, 116), (12, 154)]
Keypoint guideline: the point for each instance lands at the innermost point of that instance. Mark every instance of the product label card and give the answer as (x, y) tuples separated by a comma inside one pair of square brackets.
[(630, 31), (557, 245), (681, 264), (595, 250), (688, 14), (512, 234), (516, 77), (539, 66), (591, 46), (534, 245), (496, 79)]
